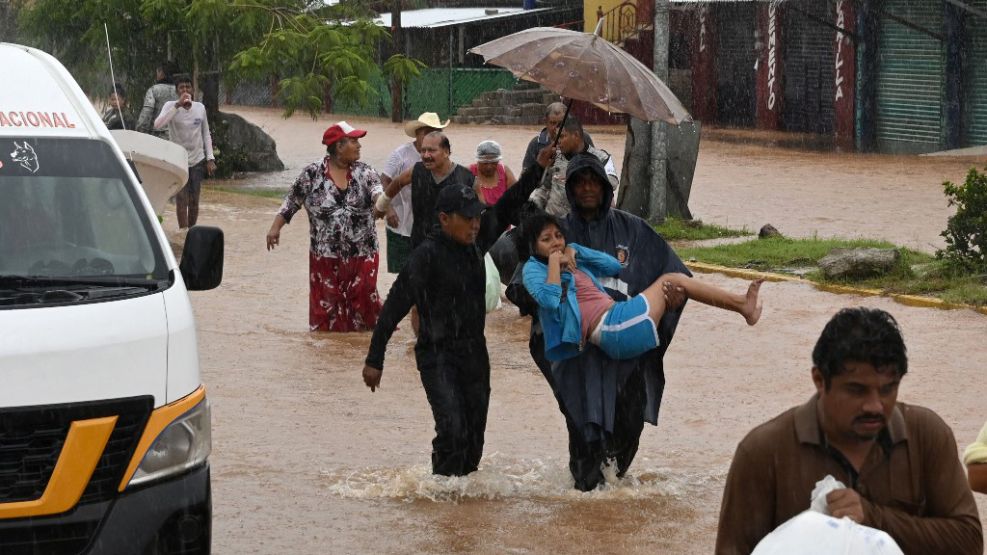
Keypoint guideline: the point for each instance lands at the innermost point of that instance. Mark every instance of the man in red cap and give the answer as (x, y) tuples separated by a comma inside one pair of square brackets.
[(338, 193)]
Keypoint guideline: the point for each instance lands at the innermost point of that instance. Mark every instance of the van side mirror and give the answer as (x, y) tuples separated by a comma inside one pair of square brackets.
[(202, 258)]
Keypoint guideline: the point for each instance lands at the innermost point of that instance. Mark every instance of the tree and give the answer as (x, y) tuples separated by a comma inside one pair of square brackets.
[(311, 47)]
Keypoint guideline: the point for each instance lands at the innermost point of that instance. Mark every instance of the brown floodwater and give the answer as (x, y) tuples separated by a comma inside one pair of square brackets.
[(307, 460)]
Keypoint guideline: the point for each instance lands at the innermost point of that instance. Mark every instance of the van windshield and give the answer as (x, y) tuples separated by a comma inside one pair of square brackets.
[(70, 216)]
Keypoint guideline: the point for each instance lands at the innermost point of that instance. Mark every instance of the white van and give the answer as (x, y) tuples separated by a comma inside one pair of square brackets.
[(104, 423)]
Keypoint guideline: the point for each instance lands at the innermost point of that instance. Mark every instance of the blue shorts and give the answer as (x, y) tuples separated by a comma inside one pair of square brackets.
[(627, 331)]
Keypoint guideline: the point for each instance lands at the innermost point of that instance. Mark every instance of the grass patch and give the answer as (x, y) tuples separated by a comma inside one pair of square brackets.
[(253, 192), (781, 254), (917, 273), (675, 229)]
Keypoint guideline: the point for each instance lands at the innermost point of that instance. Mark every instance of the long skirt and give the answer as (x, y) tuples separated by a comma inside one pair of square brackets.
[(343, 293)]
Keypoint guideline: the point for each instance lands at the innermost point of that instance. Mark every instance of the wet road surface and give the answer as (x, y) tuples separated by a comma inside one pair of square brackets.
[(307, 460)]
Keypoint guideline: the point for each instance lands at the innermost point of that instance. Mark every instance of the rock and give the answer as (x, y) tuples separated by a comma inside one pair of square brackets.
[(859, 263), (768, 231), (240, 137)]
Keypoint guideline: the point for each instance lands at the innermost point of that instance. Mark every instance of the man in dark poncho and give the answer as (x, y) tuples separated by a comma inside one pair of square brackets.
[(606, 402)]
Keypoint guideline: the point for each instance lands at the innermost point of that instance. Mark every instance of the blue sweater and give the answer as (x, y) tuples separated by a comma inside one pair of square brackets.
[(560, 318)]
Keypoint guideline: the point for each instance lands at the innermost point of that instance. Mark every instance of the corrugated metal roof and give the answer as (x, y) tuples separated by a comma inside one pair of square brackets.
[(442, 17)]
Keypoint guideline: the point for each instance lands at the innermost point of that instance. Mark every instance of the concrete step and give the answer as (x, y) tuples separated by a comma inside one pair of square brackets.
[(522, 105)]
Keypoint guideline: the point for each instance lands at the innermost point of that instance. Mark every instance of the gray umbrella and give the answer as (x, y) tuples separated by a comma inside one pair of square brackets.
[(585, 67)]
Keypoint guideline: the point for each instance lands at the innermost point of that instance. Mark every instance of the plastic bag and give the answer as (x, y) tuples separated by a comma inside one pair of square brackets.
[(492, 288), (811, 533), (819, 493)]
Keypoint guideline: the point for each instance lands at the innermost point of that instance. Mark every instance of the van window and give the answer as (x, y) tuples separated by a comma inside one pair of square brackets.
[(70, 215)]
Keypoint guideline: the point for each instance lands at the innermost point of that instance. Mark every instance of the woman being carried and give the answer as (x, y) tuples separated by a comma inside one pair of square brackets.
[(575, 309)]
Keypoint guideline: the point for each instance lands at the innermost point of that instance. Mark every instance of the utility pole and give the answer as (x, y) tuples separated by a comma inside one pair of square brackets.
[(397, 44), (658, 197), (644, 181)]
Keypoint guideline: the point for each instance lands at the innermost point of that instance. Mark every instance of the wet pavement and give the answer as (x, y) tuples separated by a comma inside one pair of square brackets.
[(307, 460)]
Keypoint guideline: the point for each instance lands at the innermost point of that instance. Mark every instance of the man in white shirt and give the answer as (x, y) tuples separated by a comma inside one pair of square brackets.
[(187, 125)]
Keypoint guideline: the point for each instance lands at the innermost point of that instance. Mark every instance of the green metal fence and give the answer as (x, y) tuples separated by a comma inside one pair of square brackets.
[(445, 90), (377, 105), (442, 90)]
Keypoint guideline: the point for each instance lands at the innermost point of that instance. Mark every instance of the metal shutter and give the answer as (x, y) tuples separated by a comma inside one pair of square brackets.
[(911, 77), (975, 95), (810, 58), (736, 87)]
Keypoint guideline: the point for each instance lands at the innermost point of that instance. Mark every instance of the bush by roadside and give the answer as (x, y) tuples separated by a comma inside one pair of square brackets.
[(966, 231)]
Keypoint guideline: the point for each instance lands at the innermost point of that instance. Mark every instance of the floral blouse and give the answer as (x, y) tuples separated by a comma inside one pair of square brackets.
[(341, 222)]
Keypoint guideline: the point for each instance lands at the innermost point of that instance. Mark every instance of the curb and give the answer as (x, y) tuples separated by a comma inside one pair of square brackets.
[(907, 300)]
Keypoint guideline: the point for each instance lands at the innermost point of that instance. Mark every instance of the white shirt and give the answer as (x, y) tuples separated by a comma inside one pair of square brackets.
[(189, 128), (401, 160)]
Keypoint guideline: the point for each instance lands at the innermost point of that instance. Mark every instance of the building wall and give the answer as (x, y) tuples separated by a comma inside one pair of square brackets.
[(592, 7)]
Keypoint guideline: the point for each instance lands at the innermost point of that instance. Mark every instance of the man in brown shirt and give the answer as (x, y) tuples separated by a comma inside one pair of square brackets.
[(899, 462)]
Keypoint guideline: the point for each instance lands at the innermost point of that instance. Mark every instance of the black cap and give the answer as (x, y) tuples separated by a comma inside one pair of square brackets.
[(461, 199)]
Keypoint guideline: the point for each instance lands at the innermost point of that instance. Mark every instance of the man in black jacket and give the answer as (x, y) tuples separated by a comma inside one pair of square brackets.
[(445, 277)]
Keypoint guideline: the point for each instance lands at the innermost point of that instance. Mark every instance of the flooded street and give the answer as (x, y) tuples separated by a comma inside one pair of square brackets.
[(307, 460)]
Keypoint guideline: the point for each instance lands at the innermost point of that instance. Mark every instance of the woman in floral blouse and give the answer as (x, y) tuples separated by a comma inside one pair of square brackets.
[(338, 193)]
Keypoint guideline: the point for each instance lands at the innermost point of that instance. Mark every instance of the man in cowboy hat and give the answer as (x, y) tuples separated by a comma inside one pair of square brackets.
[(426, 178), (399, 218)]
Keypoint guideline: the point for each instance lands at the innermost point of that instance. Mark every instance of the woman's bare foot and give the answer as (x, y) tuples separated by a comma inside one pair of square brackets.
[(752, 308)]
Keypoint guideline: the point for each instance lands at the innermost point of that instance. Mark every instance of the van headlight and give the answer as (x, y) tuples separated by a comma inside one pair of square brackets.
[(183, 444)]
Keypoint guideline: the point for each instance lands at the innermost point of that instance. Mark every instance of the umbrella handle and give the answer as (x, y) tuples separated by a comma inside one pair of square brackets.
[(558, 134), (599, 26)]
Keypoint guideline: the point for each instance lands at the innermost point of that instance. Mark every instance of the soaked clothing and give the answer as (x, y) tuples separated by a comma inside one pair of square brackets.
[(342, 293), (606, 402), (912, 483), (343, 245), (188, 128), (559, 310), (540, 141), (446, 281), (154, 101), (341, 221), (551, 196), (593, 303), (491, 195), (627, 330), (424, 191), (402, 159), (398, 251), (112, 119)]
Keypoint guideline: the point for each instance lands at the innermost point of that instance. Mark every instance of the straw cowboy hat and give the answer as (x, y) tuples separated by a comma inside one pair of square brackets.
[(428, 119)]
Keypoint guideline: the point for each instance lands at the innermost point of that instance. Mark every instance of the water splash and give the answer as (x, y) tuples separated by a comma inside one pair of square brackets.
[(500, 477)]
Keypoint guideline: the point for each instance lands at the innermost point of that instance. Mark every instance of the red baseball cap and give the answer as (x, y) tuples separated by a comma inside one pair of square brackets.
[(339, 130)]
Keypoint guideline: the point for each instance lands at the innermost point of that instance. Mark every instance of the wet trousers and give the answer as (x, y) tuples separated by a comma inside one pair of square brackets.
[(457, 385), (343, 293), (187, 200), (586, 459)]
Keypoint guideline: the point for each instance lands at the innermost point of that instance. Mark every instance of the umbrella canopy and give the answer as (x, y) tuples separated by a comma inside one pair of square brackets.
[(586, 67)]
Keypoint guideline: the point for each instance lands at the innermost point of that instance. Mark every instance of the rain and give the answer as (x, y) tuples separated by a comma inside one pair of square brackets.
[(825, 119)]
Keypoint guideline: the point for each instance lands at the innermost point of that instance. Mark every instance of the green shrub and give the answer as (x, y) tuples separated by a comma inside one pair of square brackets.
[(966, 231)]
